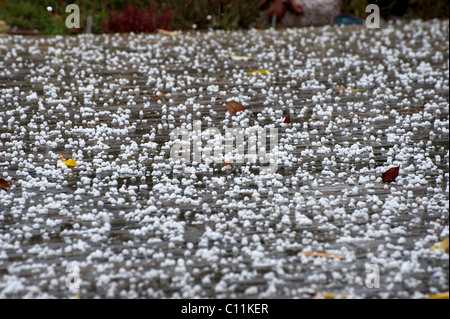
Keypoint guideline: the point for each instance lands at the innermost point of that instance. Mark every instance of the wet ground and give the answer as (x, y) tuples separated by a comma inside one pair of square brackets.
[(139, 224)]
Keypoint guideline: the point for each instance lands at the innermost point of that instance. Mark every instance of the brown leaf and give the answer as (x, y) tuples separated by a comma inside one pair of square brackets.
[(167, 32), (227, 164), (287, 120), (317, 254), (234, 107), (345, 89), (4, 184), (423, 105), (390, 175)]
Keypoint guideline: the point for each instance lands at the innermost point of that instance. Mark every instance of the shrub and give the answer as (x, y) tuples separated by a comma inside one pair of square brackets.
[(133, 19)]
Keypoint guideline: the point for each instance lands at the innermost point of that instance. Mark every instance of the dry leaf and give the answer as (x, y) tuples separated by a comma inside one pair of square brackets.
[(77, 296), (345, 89), (239, 57), (441, 246), (443, 295), (4, 184), (160, 95), (390, 175), (317, 254), (263, 72), (326, 295), (287, 120), (227, 164), (233, 107), (62, 158), (423, 105), (167, 32)]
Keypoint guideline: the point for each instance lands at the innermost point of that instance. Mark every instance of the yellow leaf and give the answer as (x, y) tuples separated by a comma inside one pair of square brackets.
[(326, 295), (441, 246), (167, 32), (77, 296), (263, 72), (239, 57), (443, 295), (71, 163)]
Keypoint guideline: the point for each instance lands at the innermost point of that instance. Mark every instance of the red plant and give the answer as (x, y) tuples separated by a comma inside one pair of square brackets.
[(133, 19)]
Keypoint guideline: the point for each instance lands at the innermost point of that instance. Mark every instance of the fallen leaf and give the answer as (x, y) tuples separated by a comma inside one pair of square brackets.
[(4, 184), (318, 254), (233, 107), (159, 95), (263, 72), (227, 164), (390, 175), (443, 295), (287, 120), (441, 246), (423, 105), (239, 57), (62, 158), (71, 163), (167, 32), (345, 89), (326, 295), (77, 296)]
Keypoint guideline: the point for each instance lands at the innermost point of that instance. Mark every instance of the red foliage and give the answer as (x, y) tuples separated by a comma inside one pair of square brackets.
[(287, 119), (390, 175), (133, 19)]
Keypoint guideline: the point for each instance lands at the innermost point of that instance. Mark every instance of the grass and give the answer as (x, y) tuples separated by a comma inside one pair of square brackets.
[(28, 15), (225, 14), (218, 14)]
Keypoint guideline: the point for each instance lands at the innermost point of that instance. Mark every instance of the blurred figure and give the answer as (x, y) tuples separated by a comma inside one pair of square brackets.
[(278, 8), (296, 13)]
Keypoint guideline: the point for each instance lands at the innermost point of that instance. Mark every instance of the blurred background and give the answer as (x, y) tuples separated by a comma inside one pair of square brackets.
[(48, 16)]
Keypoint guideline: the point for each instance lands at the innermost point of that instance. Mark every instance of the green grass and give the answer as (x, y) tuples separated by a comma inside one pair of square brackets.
[(225, 14), (219, 14)]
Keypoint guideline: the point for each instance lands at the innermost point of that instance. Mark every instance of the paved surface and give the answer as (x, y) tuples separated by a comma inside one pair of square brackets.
[(137, 224)]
